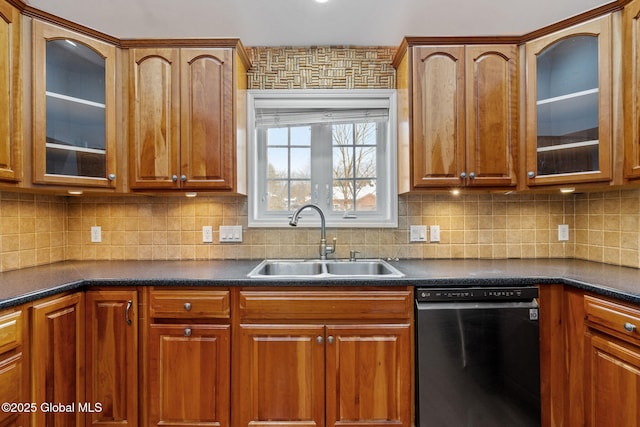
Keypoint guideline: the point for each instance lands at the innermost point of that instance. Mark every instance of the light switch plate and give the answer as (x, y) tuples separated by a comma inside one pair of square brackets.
[(563, 232), (434, 233), (418, 233), (230, 234), (96, 234)]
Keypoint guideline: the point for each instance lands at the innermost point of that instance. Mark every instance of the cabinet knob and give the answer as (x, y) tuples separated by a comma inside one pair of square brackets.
[(187, 332), (112, 177), (330, 339), (531, 174), (319, 339), (187, 306), (463, 175), (472, 175), (629, 327), (183, 178), (174, 178)]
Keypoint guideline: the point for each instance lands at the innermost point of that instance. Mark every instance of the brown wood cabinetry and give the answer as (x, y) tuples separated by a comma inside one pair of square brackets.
[(569, 120), (57, 365), (14, 370), (458, 115), (188, 358), (631, 87), (186, 118), (10, 94), (112, 357), (612, 363), (74, 108), (302, 358)]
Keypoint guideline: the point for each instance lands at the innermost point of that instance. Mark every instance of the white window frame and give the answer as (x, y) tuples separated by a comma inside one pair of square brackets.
[(386, 176)]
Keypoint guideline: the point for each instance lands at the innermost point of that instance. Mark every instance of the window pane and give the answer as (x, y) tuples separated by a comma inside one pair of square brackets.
[(342, 162), (278, 162), (365, 133), (278, 136), (342, 195), (365, 162), (300, 193), (301, 135), (301, 163), (366, 195), (342, 134), (277, 195)]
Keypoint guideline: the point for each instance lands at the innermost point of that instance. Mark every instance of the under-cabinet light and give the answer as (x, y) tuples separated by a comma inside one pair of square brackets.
[(567, 190), (75, 192), (455, 192), (191, 194)]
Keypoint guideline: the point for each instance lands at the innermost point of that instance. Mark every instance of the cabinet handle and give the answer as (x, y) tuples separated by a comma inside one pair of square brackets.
[(187, 332), (463, 175), (174, 178), (127, 313), (319, 339), (629, 327), (472, 175), (330, 339), (183, 178), (187, 306), (531, 174), (112, 177)]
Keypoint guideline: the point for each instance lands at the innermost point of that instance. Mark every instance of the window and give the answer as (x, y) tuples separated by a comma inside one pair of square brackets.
[(335, 149)]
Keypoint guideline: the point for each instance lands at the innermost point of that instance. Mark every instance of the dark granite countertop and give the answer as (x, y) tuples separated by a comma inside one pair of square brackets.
[(30, 284)]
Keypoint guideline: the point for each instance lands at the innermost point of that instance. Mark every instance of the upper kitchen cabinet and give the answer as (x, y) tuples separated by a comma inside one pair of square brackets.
[(10, 94), (631, 62), (457, 114), (187, 114), (74, 108), (569, 105)]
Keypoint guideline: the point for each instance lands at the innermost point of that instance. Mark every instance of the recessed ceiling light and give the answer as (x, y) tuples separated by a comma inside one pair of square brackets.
[(321, 1)]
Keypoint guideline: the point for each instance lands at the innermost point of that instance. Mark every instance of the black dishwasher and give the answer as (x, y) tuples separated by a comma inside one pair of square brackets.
[(477, 357)]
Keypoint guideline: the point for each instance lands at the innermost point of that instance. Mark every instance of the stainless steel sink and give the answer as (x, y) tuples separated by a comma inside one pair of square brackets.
[(324, 269)]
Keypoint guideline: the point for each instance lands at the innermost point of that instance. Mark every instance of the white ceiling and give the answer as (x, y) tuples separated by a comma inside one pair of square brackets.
[(305, 22)]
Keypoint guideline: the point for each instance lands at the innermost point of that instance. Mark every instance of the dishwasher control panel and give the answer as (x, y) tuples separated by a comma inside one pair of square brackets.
[(477, 294)]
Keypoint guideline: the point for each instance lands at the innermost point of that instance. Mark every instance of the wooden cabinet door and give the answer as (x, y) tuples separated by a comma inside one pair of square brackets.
[(14, 372), (207, 127), (74, 108), (154, 138), (491, 114), (189, 375), (112, 357), (631, 88), (438, 128), (57, 356), (280, 376), (10, 94), (613, 382), (368, 375)]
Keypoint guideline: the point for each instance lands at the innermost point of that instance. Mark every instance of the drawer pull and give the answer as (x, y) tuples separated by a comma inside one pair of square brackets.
[(187, 306), (629, 327), (187, 332), (127, 313)]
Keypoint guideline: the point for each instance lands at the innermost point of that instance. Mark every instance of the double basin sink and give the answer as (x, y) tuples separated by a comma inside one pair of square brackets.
[(324, 269)]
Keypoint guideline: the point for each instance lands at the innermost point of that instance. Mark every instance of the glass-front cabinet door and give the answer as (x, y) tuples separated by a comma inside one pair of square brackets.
[(569, 105), (74, 108)]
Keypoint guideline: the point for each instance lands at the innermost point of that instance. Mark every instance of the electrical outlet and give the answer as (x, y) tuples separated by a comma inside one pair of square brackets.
[(230, 234), (418, 233), (207, 234), (96, 234), (434, 233), (563, 232)]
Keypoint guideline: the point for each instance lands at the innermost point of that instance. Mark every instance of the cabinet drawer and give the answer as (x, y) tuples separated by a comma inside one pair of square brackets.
[(10, 331), (617, 317), (324, 304), (189, 304)]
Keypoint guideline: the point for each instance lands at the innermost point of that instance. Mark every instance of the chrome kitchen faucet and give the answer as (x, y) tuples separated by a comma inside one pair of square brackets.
[(324, 248)]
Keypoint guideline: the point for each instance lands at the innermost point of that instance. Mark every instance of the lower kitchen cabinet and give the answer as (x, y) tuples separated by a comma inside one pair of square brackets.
[(112, 358), (323, 358), (14, 379), (612, 364), (189, 358), (57, 368)]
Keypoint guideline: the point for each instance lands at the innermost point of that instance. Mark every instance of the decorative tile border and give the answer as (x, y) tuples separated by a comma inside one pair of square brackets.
[(317, 67)]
